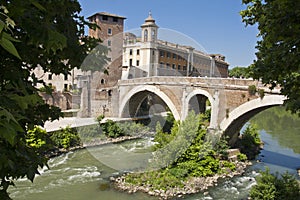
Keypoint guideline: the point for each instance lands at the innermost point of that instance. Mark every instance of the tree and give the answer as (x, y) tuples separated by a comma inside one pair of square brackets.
[(278, 56), (33, 33), (239, 72)]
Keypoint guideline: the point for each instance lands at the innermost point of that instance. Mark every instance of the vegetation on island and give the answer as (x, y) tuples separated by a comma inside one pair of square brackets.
[(278, 47), (249, 142), (184, 153)]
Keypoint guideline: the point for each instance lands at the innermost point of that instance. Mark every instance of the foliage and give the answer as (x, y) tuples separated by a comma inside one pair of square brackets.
[(65, 138), (238, 72), (170, 120), (39, 139), (133, 128), (271, 187), (45, 34), (252, 89), (112, 129), (100, 118), (221, 147), (278, 56), (249, 142), (242, 157), (184, 153), (6, 39), (261, 93), (161, 138)]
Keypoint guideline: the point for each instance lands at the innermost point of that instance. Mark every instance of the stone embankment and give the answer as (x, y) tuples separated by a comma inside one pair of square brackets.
[(191, 186)]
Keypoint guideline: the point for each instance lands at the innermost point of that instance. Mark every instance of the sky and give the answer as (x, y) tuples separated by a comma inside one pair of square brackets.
[(215, 25)]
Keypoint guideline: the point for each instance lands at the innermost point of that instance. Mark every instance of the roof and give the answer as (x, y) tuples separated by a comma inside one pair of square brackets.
[(107, 14)]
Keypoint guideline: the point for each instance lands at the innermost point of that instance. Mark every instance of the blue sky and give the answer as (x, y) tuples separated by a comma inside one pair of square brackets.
[(215, 24)]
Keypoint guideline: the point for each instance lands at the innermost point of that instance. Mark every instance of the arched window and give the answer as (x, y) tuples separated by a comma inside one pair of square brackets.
[(102, 81), (146, 35), (153, 35)]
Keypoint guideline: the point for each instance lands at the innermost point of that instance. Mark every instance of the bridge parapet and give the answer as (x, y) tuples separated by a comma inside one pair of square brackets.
[(190, 80)]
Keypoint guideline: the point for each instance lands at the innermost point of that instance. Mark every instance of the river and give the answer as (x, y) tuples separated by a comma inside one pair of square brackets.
[(82, 174)]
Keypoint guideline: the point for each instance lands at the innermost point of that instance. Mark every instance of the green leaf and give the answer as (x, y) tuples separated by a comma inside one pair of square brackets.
[(2, 25), (9, 46), (38, 5)]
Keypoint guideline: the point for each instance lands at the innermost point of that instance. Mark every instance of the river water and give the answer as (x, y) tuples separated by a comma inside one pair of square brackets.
[(84, 174)]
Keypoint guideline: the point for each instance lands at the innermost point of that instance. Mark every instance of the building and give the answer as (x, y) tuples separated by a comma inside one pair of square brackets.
[(148, 56), (101, 85), (99, 88)]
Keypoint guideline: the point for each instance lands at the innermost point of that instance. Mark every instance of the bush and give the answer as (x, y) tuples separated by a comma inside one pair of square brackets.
[(39, 139), (249, 142), (270, 186), (252, 89), (242, 157), (261, 93), (65, 138), (112, 129), (133, 128)]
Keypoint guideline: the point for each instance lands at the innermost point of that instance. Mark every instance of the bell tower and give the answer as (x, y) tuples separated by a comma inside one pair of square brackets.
[(149, 51), (149, 29)]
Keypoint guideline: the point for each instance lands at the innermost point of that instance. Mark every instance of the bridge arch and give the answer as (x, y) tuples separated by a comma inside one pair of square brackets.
[(214, 107), (148, 88), (240, 115)]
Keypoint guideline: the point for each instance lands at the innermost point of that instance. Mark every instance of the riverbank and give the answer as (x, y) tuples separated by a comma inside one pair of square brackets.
[(97, 142), (191, 186)]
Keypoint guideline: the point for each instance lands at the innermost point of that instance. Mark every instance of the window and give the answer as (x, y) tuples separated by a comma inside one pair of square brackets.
[(105, 18), (102, 81), (130, 51), (115, 19), (66, 77), (145, 35), (65, 87), (153, 35), (137, 63), (179, 67), (109, 31), (174, 56), (109, 43), (168, 65), (49, 76), (109, 92), (162, 53), (153, 52), (137, 52), (173, 66), (168, 54), (130, 62), (161, 64)]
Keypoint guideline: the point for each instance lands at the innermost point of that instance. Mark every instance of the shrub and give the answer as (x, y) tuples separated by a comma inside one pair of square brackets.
[(65, 138), (242, 157), (38, 139), (133, 128), (270, 186), (252, 89), (100, 118), (112, 129), (261, 93)]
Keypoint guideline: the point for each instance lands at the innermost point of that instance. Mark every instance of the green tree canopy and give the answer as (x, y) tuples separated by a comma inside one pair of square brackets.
[(239, 72), (33, 33), (278, 56)]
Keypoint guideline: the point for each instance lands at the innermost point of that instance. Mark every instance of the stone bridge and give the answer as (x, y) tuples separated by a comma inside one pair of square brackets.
[(230, 101)]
